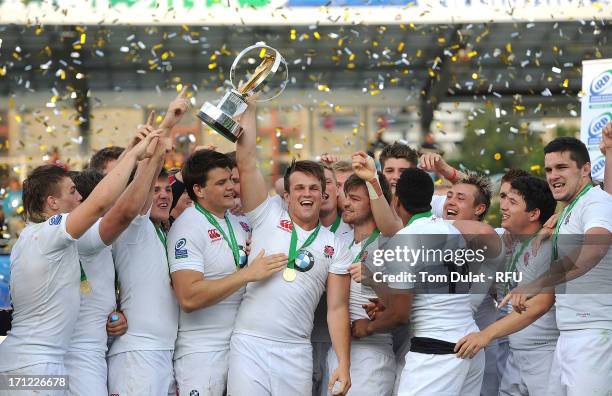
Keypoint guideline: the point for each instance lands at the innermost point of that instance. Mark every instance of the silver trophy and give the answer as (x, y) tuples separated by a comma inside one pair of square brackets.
[(221, 117)]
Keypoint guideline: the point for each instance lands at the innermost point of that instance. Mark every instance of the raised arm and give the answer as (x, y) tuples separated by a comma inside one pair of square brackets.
[(387, 221), (134, 197), (252, 185), (109, 189), (433, 162)]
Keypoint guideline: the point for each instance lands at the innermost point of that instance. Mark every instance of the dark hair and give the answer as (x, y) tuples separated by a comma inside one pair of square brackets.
[(163, 173), (537, 195), (308, 167), (578, 151), (197, 166), (86, 181), (513, 174), (399, 150), (484, 190), (99, 160), (414, 190), (40, 184), (354, 181), (232, 157)]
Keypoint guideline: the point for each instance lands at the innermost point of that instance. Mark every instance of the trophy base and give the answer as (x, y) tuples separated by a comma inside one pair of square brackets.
[(223, 124)]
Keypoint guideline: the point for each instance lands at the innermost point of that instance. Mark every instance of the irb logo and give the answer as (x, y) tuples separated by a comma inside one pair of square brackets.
[(601, 83), (596, 126), (598, 168)]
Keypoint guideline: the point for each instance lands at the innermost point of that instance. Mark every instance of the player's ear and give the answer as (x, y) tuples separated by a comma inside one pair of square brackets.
[(286, 196), (534, 215), (199, 191)]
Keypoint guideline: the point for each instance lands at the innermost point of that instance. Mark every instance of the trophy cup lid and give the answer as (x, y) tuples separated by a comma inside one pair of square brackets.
[(271, 63)]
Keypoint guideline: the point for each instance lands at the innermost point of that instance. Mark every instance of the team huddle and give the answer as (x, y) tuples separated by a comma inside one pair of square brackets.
[(133, 282)]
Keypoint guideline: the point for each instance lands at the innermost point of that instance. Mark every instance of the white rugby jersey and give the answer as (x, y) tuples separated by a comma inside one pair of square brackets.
[(543, 333), (274, 308), (97, 261), (446, 317), (576, 310), (195, 244), (45, 279), (147, 298)]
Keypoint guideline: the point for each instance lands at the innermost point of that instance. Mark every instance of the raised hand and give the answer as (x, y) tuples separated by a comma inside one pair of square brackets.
[(364, 166), (329, 159), (176, 110), (606, 139)]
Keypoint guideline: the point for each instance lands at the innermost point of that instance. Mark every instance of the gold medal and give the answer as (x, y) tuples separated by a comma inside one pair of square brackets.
[(85, 287), (289, 274)]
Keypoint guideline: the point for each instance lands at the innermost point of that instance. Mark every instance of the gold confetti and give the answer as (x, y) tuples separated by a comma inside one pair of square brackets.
[(323, 87), (400, 46), (262, 53), (212, 66), (535, 168), (317, 35), (83, 38), (179, 87), (497, 156), (565, 83)]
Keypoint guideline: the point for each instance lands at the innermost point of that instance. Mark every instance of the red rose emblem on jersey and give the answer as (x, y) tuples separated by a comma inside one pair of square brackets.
[(286, 225), (328, 251), (213, 234), (245, 226)]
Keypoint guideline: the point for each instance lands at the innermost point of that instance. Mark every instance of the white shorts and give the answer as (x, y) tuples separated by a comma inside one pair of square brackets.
[(87, 371), (319, 366), (372, 369), (503, 351), (258, 366), (48, 369), (582, 364), (526, 372), (202, 372), (141, 373), (440, 375)]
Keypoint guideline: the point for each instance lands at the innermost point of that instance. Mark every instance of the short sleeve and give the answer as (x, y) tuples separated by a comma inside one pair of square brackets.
[(91, 243), (342, 258), (185, 247), (270, 207), (53, 238), (437, 205), (598, 213)]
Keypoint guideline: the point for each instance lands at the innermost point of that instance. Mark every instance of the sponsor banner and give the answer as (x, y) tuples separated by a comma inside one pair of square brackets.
[(596, 109), (297, 12)]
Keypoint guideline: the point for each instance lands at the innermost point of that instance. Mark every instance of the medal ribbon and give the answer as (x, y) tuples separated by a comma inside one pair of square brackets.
[(514, 259), (335, 225), (292, 247), (231, 241), (162, 237), (564, 214), (419, 216), (368, 241), (85, 287)]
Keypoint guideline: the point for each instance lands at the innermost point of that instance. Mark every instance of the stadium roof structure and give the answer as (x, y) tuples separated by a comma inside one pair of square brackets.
[(431, 63)]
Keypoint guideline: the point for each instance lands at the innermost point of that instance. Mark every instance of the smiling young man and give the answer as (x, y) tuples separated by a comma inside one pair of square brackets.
[(140, 361), (330, 218), (532, 335), (372, 357), (582, 271), (270, 350), (206, 250), (45, 273)]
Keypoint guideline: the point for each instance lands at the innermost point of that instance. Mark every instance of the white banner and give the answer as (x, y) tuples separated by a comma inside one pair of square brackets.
[(596, 109), (297, 12)]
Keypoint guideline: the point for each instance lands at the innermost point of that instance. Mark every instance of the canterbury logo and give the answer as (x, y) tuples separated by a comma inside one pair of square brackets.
[(214, 234), (286, 225)]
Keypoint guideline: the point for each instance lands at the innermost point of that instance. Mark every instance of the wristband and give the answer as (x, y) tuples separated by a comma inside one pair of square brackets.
[(371, 190)]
